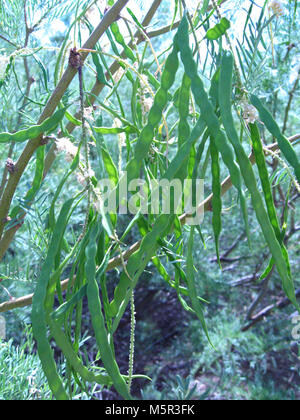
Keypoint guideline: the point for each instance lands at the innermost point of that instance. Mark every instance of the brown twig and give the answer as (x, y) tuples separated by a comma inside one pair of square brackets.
[(260, 296), (288, 50), (291, 96), (269, 309), (8, 41), (244, 280), (28, 30), (224, 257)]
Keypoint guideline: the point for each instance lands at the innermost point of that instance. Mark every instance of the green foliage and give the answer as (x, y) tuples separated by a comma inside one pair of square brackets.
[(181, 389), (21, 376), (151, 114), (241, 368)]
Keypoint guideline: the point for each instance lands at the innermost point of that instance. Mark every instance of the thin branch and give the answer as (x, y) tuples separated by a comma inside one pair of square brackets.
[(28, 30), (269, 309), (224, 257), (9, 42), (260, 296), (153, 9), (30, 81), (244, 280), (291, 96)]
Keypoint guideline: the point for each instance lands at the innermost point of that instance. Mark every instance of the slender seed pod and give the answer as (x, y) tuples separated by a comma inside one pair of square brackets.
[(283, 143), (98, 322), (192, 287), (184, 130), (217, 195), (147, 134), (207, 112), (264, 178), (39, 324), (225, 90), (71, 356), (32, 132)]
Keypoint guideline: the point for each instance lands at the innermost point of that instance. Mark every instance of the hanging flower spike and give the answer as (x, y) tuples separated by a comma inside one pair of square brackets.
[(97, 199), (89, 113), (64, 144), (3, 64), (250, 114), (277, 8), (146, 104), (146, 101), (83, 177)]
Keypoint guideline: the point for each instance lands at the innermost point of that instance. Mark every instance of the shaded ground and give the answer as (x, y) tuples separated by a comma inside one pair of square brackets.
[(160, 326)]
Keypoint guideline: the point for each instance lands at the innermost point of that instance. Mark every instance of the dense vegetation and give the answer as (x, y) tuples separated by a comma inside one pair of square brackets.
[(96, 303)]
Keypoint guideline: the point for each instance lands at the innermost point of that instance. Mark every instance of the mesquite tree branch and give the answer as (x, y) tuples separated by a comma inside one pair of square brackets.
[(98, 87), (115, 66), (9, 235), (109, 17), (117, 261)]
